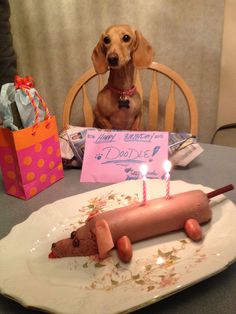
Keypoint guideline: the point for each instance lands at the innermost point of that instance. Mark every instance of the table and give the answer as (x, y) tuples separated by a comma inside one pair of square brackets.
[(215, 167)]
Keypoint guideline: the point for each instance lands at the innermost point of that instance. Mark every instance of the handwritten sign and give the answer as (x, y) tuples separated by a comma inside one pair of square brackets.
[(115, 156)]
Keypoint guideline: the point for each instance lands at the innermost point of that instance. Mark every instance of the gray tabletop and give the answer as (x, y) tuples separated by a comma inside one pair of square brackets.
[(215, 167)]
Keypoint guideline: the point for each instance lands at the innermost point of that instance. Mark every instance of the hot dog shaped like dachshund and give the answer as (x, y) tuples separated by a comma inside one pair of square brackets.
[(122, 226)]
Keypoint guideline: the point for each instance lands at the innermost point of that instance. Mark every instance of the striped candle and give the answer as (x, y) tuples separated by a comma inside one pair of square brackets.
[(143, 170), (167, 179), (167, 168)]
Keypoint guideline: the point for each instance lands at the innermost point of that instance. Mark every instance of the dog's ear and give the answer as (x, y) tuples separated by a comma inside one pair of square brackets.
[(143, 53), (99, 58)]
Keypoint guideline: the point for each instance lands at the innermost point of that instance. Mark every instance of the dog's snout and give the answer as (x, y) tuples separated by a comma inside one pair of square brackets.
[(113, 59)]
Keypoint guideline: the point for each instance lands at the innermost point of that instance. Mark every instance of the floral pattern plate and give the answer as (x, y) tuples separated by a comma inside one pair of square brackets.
[(160, 267)]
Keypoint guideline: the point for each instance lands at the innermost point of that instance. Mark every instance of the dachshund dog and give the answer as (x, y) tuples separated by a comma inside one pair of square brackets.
[(120, 49)]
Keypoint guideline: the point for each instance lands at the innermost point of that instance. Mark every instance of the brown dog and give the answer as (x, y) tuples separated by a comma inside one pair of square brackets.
[(120, 49)]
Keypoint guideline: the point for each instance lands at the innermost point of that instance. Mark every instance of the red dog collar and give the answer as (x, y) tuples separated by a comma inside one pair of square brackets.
[(128, 92)]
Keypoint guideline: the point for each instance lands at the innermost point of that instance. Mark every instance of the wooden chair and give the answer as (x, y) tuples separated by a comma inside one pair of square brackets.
[(176, 82)]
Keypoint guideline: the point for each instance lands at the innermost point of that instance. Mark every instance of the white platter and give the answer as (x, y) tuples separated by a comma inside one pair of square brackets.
[(160, 267)]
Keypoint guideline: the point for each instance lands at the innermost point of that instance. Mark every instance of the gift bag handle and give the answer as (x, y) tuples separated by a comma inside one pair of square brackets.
[(25, 84)]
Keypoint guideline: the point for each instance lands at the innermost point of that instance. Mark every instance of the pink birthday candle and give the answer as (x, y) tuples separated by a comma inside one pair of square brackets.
[(167, 168), (144, 191), (143, 170), (167, 185)]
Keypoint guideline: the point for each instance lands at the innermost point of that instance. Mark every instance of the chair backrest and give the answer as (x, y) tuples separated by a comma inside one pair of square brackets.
[(153, 101)]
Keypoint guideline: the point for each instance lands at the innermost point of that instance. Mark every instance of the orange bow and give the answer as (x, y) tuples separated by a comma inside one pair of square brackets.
[(25, 82)]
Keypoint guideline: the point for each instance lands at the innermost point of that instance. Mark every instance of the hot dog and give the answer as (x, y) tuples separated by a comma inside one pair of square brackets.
[(193, 229), (122, 226)]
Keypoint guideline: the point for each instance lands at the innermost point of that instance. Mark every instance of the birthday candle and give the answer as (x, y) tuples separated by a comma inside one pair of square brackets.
[(167, 168), (143, 170), (167, 186)]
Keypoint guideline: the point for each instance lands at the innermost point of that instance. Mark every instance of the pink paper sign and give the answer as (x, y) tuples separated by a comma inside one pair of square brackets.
[(115, 156)]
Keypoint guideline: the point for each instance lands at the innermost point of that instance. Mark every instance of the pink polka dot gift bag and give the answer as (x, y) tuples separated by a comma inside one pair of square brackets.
[(30, 158)]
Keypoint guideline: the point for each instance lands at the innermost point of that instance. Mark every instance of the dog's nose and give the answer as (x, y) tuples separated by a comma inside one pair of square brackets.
[(113, 59)]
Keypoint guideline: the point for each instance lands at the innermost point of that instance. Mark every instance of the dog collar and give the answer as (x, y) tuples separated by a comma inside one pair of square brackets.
[(128, 92)]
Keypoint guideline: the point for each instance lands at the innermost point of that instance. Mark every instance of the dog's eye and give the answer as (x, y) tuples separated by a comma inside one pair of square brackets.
[(76, 242), (106, 40), (126, 38)]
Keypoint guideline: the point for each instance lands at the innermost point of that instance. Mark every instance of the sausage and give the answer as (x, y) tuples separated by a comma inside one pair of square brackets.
[(193, 229), (124, 248), (136, 222), (156, 217), (129, 224)]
